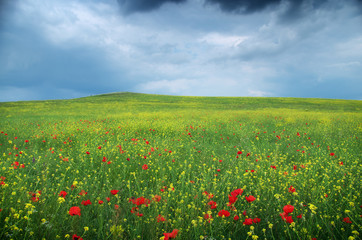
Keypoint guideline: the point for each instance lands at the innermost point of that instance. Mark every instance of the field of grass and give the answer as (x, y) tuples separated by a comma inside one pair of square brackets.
[(138, 166)]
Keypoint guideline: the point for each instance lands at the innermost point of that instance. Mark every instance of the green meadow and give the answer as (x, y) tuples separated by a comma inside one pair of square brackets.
[(142, 166)]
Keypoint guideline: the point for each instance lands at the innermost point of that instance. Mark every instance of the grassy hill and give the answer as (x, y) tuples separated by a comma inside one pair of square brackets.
[(125, 102), (142, 166)]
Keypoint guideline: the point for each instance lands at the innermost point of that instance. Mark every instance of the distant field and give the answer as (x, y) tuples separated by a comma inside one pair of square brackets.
[(142, 166)]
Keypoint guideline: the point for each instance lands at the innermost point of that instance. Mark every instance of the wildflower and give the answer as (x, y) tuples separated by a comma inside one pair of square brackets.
[(224, 213), (256, 220), (236, 218), (236, 192), (291, 189), (76, 237), (114, 192), (347, 220), (232, 200), (312, 208), (250, 198), (74, 211), (288, 209), (160, 218), (248, 221), (139, 201), (61, 200), (173, 234), (286, 218), (87, 202), (156, 198), (145, 167), (100, 202), (63, 194), (213, 204), (82, 193)]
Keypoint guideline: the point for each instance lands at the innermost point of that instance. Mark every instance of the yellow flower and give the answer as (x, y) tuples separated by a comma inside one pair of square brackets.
[(312, 208)]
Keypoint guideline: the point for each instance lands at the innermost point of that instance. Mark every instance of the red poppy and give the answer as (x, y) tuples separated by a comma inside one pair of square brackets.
[(291, 189), (75, 237), (213, 204), (332, 154), (236, 192), (288, 209), (207, 216), (232, 200), (273, 167), (256, 220), (144, 167), (240, 152), (288, 219), (74, 211), (82, 193), (139, 201), (63, 194), (100, 202), (347, 220), (224, 213), (87, 202), (248, 221), (250, 198), (173, 234), (236, 218), (160, 218), (299, 216), (114, 192)]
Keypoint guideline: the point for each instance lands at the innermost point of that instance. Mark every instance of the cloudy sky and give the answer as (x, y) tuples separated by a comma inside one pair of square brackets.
[(59, 49)]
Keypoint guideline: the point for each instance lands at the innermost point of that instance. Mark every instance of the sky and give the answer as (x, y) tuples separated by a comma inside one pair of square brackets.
[(62, 49)]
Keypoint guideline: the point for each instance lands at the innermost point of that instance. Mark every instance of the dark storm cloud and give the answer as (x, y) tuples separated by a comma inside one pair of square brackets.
[(131, 6), (293, 9), (244, 6), (6, 6)]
